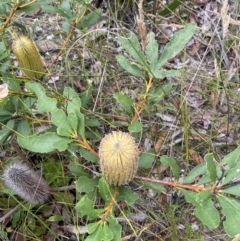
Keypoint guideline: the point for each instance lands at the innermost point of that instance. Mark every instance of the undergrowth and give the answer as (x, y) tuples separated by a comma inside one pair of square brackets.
[(140, 68)]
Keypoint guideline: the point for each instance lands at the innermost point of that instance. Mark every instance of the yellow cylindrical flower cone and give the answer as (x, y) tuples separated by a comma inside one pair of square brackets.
[(28, 57), (119, 156)]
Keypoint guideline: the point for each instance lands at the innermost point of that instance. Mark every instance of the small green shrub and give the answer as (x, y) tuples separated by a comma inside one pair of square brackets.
[(57, 122)]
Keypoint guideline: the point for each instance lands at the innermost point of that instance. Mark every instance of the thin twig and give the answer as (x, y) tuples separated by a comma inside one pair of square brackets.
[(11, 212), (173, 184), (73, 26), (60, 189), (10, 16)]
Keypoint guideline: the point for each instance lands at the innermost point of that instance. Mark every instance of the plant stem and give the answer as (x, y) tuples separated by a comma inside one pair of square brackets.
[(10, 16), (73, 26), (173, 184), (110, 206), (142, 100), (85, 145)]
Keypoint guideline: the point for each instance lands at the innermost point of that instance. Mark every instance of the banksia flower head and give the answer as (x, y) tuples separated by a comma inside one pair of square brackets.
[(118, 154), (23, 181), (28, 57)]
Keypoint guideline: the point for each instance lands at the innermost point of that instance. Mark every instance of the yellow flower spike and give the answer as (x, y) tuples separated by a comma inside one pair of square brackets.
[(119, 156), (28, 57)]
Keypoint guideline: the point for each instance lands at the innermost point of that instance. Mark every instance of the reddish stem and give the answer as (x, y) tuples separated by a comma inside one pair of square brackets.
[(173, 184), (110, 206), (10, 16), (73, 26), (87, 146)]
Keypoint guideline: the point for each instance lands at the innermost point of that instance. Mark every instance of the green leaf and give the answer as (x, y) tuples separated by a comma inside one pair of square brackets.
[(5, 66), (105, 190), (170, 73), (127, 195), (130, 67), (158, 94), (23, 128), (6, 131), (136, 126), (156, 187), (211, 167), (65, 128), (157, 73), (106, 233), (77, 169), (234, 190), (91, 227), (89, 156), (66, 9), (204, 179), (146, 159), (208, 214), (176, 44), (45, 143), (55, 218), (195, 172), (231, 210), (231, 173), (205, 209), (115, 227), (125, 101), (86, 96), (81, 125), (196, 198), (5, 115), (86, 207), (152, 51), (170, 162), (62, 144), (60, 119), (66, 25), (101, 232), (73, 103), (171, 7), (44, 103), (36, 5), (52, 9), (92, 122), (3, 51), (72, 121), (86, 184), (92, 18), (131, 44), (232, 158), (50, 166)]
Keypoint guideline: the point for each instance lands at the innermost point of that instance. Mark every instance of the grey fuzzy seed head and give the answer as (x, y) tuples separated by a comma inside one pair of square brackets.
[(23, 181)]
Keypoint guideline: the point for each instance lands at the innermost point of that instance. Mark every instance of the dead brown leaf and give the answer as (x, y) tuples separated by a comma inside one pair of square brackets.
[(195, 156)]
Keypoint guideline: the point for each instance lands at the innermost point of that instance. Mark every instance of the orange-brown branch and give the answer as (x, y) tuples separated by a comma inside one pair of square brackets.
[(84, 144), (73, 26), (10, 16), (141, 101), (138, 109), (173, 184), (110, 206)]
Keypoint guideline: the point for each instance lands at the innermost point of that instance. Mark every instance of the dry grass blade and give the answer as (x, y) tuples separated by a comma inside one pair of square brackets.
[(141, 25), (225, 18)]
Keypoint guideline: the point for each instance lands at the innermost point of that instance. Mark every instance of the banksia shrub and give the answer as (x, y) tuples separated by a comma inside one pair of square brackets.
[(23, 181), (28, 57), (119, 155)]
